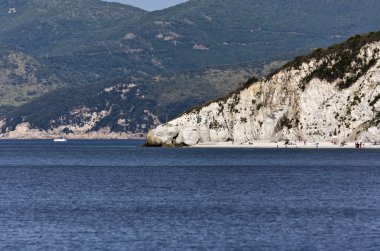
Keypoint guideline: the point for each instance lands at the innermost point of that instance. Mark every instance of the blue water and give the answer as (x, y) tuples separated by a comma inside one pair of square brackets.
[(115, 195)]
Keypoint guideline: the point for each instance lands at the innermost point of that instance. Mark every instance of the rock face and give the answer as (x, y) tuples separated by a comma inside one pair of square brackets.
[(332, 94)]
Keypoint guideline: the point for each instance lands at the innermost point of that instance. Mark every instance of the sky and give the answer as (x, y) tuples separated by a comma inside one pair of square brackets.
[(150, 4)]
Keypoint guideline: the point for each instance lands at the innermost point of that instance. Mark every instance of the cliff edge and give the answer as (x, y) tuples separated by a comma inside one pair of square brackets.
[(331, 94)]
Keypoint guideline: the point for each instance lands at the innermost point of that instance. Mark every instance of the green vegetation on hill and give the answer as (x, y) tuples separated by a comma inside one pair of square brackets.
[(353, 45), (340, 59), (247, 31), (55, 28), (23, 78)]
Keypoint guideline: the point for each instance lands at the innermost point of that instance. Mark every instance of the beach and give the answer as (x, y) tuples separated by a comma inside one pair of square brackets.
[(292, 145)]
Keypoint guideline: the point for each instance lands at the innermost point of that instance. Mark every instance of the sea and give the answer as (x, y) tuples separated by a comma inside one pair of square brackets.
[(118, 195)]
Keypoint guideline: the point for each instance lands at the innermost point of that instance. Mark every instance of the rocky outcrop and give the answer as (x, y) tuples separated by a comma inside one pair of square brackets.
[(332, 94), (168, 135)]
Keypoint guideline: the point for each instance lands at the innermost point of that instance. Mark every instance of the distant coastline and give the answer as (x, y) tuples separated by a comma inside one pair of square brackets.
[(88, 136), (24, 131)]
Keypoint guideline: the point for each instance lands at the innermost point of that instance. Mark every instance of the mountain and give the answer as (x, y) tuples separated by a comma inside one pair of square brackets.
[(330, 94), (93, 40), (171, 55)]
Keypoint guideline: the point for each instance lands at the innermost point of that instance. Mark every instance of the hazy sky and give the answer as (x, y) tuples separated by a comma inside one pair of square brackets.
[(150, 4)]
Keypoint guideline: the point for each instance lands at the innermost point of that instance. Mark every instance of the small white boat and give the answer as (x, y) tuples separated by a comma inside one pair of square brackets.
[(61, 140)]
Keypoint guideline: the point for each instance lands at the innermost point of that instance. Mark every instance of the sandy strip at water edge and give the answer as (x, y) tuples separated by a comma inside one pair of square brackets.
[(297, 145)]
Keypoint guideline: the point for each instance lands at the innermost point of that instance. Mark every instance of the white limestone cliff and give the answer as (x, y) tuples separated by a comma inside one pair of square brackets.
[(311, 100)]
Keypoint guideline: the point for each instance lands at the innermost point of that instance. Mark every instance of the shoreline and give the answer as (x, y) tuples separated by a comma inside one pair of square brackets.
[(76, 137), (51, 139), (281, 145)]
